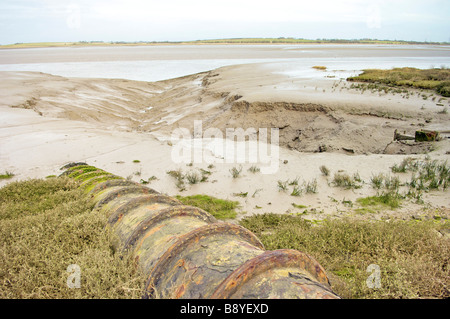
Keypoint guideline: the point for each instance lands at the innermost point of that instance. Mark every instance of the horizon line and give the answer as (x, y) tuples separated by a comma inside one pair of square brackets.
[(238, 40)]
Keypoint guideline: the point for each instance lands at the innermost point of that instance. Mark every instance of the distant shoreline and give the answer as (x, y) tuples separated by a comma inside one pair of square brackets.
[(252, 41)]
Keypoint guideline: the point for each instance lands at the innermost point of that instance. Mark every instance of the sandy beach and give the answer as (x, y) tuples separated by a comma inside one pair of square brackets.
[(126, 127)]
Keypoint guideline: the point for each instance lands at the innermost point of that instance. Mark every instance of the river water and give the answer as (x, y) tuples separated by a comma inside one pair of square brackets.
[(154, 63)]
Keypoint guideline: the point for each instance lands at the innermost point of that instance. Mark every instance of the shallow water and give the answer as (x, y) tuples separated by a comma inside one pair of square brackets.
[(156, 63), (131, 70)]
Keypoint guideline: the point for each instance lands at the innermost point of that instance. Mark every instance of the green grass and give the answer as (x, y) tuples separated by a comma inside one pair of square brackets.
[(219, 208), (429, 79), (6, 175), (296, 191), (47, 225), (413, 260), (385, 200)]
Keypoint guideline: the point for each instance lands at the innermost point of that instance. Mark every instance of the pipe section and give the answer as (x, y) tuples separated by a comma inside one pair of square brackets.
[(186, 253)]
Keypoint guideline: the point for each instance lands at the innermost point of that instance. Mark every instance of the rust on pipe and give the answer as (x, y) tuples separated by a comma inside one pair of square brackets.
[(200, 260), (185, 252), (301, 270)]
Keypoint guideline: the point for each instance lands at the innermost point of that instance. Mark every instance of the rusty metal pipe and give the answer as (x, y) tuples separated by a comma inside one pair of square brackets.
[(186, 253)]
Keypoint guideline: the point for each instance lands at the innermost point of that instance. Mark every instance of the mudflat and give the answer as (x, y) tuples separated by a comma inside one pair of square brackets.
[(198, 52), (127, 128)]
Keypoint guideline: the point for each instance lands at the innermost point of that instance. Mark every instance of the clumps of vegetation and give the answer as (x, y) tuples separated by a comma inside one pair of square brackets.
[(319, 67), (47, 225), (241, 194), (254, 169), (205, 174), (149, 180), (219, 208), (346, 181), (407, 164), (282, 186), (391, 183), (235, 172), (179, 177), (430, 79), (413, 260), (309, 187), (388, 199), (324, 170), (7, 175), (296, 191), (192, 177), (430, 175), (426, 174)]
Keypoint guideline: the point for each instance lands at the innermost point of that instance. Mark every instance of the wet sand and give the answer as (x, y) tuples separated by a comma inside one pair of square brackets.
[(47, 121)]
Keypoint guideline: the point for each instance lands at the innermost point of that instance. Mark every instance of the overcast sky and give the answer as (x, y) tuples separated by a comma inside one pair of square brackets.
[(174, 20)]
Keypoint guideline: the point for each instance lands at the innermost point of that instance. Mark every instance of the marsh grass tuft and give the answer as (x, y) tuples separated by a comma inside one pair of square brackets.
[(7, 175), (235, 172), (179, 177), (407, 164), (193, 177), (324, 170), (426, 174), (346, 181), (254, 169), (282, 186), (296, 191)]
